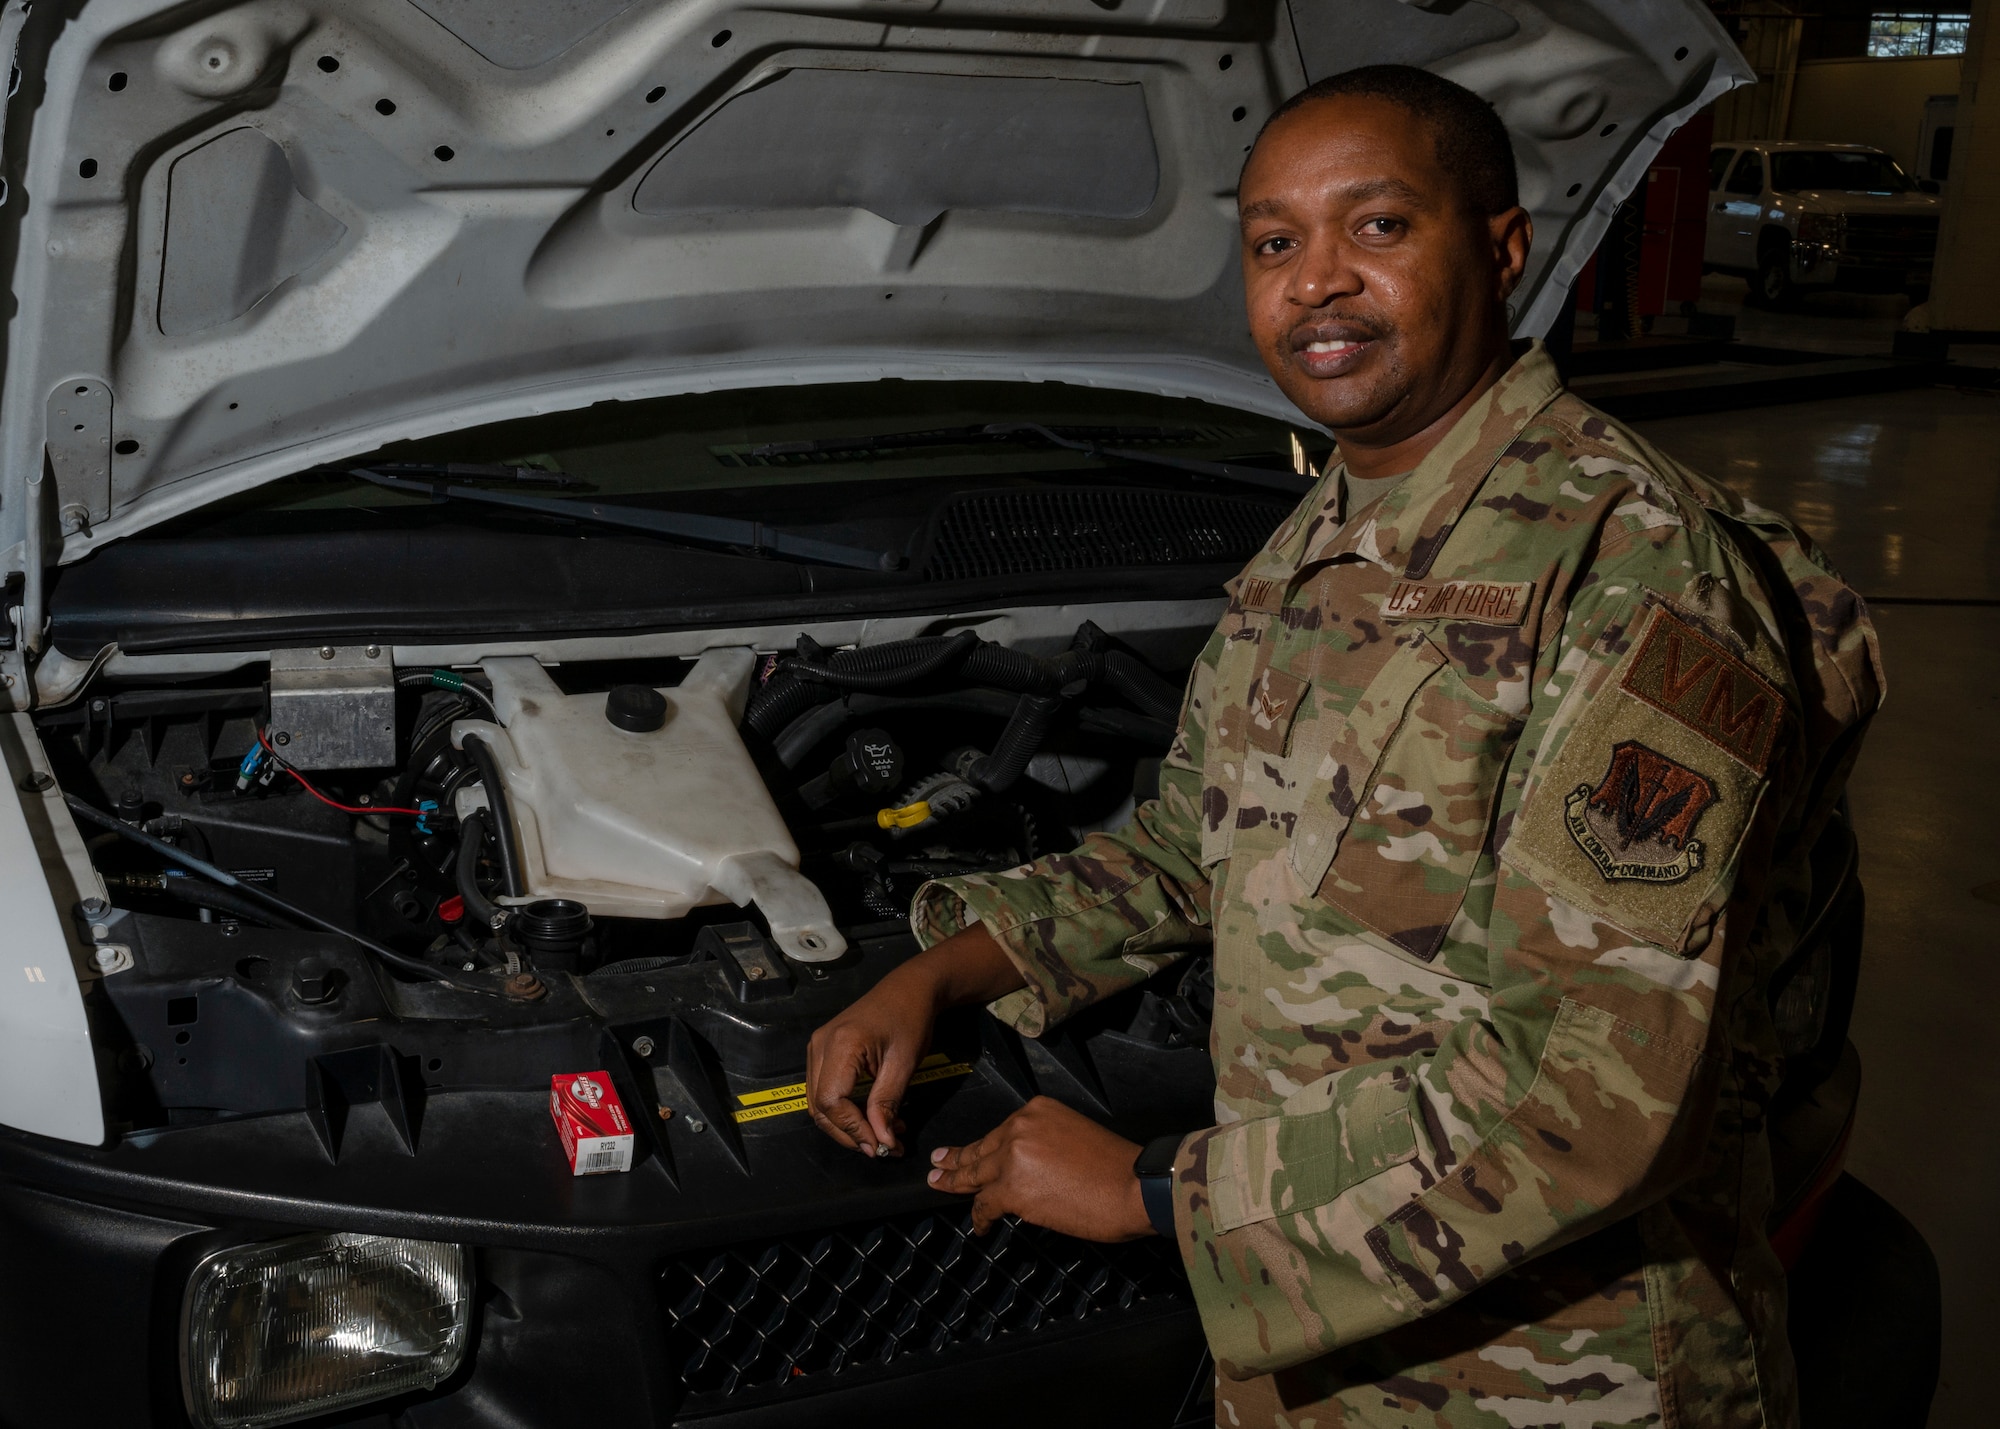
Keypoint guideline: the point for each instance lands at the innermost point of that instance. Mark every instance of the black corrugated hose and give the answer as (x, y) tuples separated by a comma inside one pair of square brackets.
[(815, 676), (1017, 744)]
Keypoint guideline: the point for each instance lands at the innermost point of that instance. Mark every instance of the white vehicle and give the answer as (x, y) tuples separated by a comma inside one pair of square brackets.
[(526, 528), (1796, 218)]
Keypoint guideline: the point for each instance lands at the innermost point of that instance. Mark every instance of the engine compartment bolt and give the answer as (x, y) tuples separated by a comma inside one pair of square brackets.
[(373, 652), (695, 1123), (39, 782), (326, 652), (666, 1113), (754, 972), (643, 1046), (283, 737), (313, 981), (525, 987), (93, 907)]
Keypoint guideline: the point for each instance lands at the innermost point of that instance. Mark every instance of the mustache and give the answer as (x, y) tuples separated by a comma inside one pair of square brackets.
[(1336, 327)]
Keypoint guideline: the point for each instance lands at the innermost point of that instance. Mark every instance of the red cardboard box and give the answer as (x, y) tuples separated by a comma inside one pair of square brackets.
[(596, 1134)]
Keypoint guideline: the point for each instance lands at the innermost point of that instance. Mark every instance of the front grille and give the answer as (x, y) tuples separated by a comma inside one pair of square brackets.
[(905, 1293), (1092, 528), (1881, 237)]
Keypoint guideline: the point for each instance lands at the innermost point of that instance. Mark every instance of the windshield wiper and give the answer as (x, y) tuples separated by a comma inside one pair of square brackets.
[(677, 525), (480, 471), (1089, 440), (1289, 482)]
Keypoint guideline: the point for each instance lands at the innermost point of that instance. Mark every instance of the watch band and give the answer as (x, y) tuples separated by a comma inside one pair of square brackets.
[(1154, 1167)]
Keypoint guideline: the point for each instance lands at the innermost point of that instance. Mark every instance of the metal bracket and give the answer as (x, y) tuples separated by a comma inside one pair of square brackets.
[(334, 707), (79, 440)]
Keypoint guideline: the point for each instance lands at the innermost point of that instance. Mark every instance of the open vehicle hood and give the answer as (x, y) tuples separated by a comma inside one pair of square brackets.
[(241, 239)]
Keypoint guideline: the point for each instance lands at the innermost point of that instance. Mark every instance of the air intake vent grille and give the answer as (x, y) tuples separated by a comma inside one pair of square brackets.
[(1008, 533), (802, 1310)]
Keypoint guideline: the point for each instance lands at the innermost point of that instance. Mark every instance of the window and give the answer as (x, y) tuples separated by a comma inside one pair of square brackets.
[(1749, 175), (1846, 170), (1897, 35), (1718, 165)]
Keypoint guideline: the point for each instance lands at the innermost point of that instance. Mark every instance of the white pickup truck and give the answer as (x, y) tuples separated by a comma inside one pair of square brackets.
[(1796, 217)]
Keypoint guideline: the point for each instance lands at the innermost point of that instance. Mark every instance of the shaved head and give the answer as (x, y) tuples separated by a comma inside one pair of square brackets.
[(1470, 141)]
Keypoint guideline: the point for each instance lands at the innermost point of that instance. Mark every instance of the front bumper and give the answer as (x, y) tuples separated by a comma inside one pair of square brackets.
[(897, 1317), (1820, 266), (770, 1280)]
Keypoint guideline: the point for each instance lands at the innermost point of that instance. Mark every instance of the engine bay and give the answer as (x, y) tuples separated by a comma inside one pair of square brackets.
[(358, 883)]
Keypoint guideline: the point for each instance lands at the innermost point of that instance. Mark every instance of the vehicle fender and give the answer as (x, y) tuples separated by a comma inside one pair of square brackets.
[(48, 1074)]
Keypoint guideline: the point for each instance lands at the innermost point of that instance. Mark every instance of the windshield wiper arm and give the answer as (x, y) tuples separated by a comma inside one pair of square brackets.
[(480, 471), (944, 437), (678, 525), (1288, 482), (1291, 483)]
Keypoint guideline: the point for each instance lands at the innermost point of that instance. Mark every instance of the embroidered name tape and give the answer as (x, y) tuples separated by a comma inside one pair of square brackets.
[(1703, 687), (1481, 602), (1260, 593)]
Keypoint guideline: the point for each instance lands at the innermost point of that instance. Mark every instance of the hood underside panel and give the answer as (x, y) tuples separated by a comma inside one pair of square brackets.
[(246, 239)]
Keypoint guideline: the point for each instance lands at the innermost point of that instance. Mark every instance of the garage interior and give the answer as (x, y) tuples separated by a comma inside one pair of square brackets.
[(1871, 417), (1875, 421)]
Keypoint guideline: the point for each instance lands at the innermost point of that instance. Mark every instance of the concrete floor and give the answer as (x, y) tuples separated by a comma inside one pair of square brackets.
[(1838, 324), (1903, 490)]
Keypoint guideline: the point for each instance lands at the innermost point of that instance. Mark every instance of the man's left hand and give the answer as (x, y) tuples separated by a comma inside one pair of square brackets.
[(1052, 1166)]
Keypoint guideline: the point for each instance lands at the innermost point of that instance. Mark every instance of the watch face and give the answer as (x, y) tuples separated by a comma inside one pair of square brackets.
[(1158, 1157)]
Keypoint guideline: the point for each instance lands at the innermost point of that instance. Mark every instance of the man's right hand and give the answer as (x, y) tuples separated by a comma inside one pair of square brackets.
[(886, 1033)]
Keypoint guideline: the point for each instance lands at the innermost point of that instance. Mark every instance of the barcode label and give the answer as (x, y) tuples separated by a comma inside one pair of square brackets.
[(596, 1155)]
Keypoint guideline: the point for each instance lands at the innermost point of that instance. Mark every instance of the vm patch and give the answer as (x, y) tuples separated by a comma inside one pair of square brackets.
[(1698, 684)]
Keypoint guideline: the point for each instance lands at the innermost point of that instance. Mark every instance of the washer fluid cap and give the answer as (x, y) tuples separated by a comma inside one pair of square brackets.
[(641, 709)]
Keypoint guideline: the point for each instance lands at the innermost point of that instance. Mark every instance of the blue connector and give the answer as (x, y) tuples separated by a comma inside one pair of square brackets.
[(425, 808), (247, 770)]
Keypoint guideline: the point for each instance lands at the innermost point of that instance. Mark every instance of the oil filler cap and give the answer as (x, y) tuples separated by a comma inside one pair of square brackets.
[(640, 709)]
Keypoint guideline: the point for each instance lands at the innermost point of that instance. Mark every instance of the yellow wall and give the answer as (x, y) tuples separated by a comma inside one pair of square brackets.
[(1879, 102), (1966, 296)]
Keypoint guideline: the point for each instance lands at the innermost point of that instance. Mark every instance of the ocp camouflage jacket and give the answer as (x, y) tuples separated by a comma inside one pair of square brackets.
[(1494, 799)]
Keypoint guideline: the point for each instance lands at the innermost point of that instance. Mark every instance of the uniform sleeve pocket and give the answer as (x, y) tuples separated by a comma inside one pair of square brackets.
[(1322, 1144)]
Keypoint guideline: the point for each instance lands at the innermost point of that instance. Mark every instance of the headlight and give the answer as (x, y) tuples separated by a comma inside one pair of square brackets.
[(292, 1328), (1824, 229)]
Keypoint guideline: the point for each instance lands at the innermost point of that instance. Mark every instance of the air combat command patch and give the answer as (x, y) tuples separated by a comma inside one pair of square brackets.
[(1639, 821)]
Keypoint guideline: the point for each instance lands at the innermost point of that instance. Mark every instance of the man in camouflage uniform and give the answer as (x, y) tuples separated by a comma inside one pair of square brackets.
[(1492, 793)]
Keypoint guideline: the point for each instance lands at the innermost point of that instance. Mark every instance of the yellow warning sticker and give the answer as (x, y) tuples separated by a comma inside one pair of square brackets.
[(781, 1101)]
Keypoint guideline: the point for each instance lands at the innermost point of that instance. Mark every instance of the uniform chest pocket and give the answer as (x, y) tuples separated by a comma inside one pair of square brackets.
[(1252, 706), (1424, 818)]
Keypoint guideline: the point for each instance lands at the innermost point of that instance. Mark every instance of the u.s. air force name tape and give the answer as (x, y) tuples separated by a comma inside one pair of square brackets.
[(780, 1101)]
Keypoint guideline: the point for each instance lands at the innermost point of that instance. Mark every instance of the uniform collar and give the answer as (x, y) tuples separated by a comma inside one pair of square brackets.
[(1404, 530)]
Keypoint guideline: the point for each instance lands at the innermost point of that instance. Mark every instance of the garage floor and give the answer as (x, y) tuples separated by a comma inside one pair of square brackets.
[(1904, 491)]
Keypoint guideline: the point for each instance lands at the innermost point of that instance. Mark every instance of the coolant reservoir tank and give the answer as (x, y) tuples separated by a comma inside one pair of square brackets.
[(645, 804)]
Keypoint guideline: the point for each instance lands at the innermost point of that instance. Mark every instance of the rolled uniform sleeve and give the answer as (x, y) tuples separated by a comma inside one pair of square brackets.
[(1086, 924), (1659, 756)]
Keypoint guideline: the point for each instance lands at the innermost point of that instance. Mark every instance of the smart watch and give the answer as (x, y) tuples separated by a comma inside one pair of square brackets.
[(1155, 1170)]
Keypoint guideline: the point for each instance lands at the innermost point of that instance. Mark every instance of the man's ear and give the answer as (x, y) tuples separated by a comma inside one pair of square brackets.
[(1513, 234)]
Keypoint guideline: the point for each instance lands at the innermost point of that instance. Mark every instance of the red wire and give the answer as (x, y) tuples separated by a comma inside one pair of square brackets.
[(330, 803)]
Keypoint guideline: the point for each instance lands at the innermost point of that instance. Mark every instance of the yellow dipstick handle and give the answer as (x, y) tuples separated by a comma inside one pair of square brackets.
[(907, 817)]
